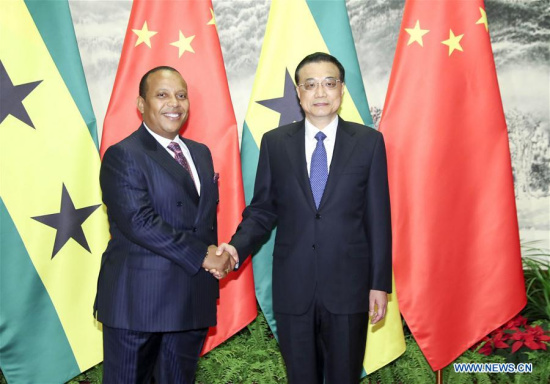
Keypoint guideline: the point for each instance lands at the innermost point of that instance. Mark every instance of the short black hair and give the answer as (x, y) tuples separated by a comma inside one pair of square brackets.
[(143, 81), (319, 57)]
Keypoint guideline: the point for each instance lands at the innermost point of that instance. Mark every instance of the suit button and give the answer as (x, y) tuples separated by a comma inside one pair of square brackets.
[(318, 216), (179, 203), (218, 201), (194, 229), (313, 246), (212, 228)]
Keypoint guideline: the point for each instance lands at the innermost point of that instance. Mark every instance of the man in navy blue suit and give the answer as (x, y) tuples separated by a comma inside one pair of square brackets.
[(323, 182), (156, 298)]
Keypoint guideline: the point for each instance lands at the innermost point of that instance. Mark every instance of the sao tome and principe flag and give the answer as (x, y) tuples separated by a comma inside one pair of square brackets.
[(457, 258), (183, 35), (294, 30), (53, 226)]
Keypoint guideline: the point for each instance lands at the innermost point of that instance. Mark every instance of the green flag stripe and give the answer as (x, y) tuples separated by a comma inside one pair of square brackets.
[(38, 334), (340, 44), (62, 45), (249, 162)]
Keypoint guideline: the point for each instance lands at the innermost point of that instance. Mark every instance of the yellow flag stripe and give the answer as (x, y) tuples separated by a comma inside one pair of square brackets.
[(289, 21), (385, 340), (35, 165)]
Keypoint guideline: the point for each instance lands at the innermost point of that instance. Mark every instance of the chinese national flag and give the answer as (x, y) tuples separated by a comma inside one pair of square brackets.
[(183, 35), (457, 258)]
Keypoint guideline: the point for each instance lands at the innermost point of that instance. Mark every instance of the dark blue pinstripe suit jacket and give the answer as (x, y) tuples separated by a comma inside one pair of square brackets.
[(151, 278)]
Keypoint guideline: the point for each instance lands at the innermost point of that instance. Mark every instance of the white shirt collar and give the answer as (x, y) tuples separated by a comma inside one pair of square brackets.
[(163, 140), (329, 130)]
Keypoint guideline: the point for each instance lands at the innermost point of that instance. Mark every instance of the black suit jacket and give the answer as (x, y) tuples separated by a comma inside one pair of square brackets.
[(342, 249), (151, 278)]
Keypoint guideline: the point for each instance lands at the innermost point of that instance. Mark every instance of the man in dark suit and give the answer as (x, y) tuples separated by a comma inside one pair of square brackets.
[(155, 297), (323, 182)]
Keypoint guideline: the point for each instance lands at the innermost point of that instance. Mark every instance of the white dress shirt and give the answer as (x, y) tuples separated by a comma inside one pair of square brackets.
[(164, 142), (311, 141)]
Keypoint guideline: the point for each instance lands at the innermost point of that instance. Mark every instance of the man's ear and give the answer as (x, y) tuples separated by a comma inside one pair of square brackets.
[(140, 101), (298, 92)]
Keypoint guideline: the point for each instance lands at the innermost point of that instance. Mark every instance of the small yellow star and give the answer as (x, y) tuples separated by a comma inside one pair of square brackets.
[(416, 34), (213, 19), (144, 35), (453, 42), (483, 19), (184, 44)]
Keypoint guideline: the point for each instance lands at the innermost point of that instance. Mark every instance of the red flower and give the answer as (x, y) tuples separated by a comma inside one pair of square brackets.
[(486, 349), (532, 337), (516, 322), (499, 339), (515, 333)]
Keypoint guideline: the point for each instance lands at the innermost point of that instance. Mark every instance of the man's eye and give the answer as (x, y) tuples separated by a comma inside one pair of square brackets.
[(182, 96), (310, 85), (161, 94)]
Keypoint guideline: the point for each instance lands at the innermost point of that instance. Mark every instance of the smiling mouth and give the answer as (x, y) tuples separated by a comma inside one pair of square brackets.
[(173, 116)]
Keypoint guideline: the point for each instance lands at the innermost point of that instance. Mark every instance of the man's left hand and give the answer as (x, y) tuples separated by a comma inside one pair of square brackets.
[(378, 303)]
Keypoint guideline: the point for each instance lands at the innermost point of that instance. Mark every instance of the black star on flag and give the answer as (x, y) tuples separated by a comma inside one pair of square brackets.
[(12, 96), (288, 105), (68, 222)]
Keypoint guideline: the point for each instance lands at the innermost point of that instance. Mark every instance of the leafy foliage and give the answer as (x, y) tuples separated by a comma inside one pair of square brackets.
[(411, 367), (91, 376), (252, 356), (514, 339), (536, 265)]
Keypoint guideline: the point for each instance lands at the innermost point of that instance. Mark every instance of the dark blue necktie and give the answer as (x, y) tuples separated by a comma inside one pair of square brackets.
[(318, 172)]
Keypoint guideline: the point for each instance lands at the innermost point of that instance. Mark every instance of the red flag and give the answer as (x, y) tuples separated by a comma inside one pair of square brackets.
[(183, 35), (457, 260)]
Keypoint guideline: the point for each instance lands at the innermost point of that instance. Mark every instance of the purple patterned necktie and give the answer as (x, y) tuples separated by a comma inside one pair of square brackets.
[(318, 172), (180, 158)]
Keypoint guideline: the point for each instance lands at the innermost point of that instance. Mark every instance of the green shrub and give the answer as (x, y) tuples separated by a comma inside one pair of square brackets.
[(536, 268), (251, 356)]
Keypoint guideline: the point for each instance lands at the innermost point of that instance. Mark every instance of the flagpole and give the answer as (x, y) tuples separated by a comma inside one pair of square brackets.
[(439, 376)]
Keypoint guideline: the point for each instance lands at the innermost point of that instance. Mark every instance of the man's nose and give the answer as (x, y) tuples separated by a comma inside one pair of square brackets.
[(172, 101), (320, 90)]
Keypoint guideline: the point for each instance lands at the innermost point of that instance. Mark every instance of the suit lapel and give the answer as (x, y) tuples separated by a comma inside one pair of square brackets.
[(155, 151), (296, 151), (343, 147), (206, 177)]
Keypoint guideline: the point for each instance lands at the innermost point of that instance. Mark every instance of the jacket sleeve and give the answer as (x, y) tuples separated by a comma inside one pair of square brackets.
[(260, 216), (129, 207), (378, 216)]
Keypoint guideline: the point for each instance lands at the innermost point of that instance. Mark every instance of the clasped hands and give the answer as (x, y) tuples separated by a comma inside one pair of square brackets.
[(219, 261)]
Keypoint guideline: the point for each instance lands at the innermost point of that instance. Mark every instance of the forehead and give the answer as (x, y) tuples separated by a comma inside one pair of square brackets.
[(318, 70), (165, 79)]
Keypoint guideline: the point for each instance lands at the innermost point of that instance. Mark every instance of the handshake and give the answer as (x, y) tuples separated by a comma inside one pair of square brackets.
[(221, 260)]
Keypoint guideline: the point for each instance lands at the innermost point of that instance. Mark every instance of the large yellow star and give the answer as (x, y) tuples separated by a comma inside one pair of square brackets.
[(184, 44), (213, 19), (416, 34), (483, 19), (453, 42), (144, 35)]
